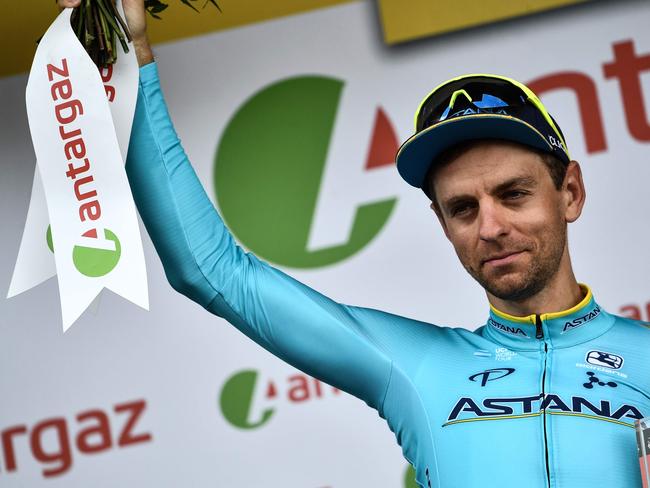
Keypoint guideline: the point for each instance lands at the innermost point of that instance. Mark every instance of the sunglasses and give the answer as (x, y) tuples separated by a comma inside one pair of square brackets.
[(480, 93)]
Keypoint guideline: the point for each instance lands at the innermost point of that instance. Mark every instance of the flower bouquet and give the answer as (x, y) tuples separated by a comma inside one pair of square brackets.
[(99, 26)]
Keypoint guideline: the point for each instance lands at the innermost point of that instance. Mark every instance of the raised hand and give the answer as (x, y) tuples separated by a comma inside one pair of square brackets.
[(136, 21)]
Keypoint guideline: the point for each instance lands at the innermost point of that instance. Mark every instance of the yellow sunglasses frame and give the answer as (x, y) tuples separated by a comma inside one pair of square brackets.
[(527, 91)]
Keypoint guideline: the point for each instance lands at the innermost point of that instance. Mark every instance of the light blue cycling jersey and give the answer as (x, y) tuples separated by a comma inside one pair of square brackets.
[(540, 401)]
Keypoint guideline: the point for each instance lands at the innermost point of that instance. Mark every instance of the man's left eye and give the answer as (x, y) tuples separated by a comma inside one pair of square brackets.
[(514, 194)]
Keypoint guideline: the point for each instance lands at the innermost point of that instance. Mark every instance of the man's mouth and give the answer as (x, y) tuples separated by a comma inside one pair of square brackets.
[(502, 259)]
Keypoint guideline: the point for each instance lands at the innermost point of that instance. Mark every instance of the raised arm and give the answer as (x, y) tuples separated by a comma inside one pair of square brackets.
[(323, 338), (203, 262)]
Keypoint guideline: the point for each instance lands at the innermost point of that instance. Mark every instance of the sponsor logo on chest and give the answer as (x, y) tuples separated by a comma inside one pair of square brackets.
[(468, 409), (605, 362)]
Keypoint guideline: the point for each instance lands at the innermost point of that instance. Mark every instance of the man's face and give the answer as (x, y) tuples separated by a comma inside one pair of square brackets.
[(505, 218)]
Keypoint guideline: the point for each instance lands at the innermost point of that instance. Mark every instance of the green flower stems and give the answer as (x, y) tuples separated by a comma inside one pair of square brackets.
[(99, 26)]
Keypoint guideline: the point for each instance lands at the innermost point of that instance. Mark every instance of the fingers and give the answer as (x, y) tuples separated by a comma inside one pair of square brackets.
[(68, 3)]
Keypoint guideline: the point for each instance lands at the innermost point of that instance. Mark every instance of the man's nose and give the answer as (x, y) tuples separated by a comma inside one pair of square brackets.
[(492, 221)]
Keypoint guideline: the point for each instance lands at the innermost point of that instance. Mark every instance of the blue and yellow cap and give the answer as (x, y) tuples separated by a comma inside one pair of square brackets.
[(477, 106)]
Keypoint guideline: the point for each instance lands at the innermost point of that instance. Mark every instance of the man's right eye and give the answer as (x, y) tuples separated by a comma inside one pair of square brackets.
[(461, 209)]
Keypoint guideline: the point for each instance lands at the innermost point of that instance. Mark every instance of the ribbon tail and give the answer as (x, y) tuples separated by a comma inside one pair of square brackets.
[(35, 261), (74, 303)]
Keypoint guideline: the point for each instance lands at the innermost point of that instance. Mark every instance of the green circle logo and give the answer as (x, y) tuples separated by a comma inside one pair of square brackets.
[(237, 397), (269, 165), (409, 478), (97, 261), (48, 238)]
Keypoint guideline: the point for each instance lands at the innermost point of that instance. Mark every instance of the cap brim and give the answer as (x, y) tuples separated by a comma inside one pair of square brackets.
[(419, 151)]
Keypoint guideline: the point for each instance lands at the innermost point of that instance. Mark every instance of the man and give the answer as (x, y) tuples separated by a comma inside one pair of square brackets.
[(543, 395)]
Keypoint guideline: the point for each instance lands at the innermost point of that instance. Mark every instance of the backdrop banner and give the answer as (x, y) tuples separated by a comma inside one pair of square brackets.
[(292, 126)]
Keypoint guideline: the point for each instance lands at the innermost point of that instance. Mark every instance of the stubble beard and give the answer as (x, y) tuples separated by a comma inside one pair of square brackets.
[(529, 283)]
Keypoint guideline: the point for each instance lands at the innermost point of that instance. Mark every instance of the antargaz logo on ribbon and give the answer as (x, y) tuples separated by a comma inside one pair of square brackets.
[(92, 260), (94, 257), (270, 163)]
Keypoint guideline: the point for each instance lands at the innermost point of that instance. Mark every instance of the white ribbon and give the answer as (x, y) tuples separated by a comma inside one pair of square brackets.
[(80, 140)]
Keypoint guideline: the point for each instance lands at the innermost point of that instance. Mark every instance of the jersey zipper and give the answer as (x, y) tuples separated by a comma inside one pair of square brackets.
[(540, 335)]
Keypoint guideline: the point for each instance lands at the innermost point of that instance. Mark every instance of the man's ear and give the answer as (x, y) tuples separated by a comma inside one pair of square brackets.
[(574, 192), (441, 218)]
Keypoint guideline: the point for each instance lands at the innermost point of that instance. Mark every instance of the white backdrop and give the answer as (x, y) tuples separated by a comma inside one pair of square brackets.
[(177, 357)]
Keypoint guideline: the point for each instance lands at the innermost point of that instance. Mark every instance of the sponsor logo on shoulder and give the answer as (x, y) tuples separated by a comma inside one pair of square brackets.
[(604, 359), (508, 329), (579, 321)]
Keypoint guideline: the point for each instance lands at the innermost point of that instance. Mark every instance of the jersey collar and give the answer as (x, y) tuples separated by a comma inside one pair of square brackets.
[(580, 323)]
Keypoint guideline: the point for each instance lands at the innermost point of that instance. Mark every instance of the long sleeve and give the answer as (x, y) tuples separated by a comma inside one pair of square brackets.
[(331, 341)]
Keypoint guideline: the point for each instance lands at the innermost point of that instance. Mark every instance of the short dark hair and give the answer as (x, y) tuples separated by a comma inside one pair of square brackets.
[(556, 167)]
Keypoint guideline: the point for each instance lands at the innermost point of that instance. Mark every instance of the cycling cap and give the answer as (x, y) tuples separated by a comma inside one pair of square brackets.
[(477, 106)]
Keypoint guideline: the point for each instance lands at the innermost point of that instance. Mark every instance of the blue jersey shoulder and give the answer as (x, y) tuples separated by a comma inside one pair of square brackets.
[(633, 326)]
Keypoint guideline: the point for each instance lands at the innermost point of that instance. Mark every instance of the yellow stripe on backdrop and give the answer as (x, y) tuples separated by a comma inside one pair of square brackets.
[(27, 20), (407, 20)]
